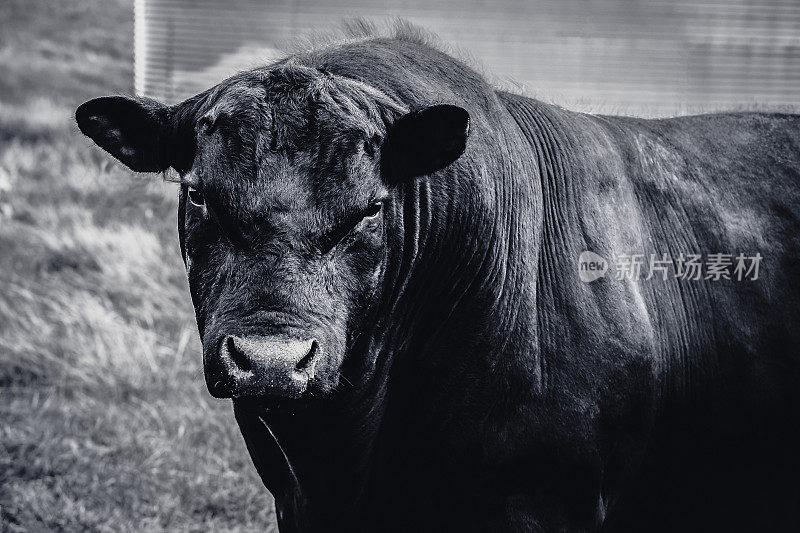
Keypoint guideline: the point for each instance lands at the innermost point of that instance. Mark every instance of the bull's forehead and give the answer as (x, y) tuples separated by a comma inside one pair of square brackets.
[(293, 142), (297, 181)]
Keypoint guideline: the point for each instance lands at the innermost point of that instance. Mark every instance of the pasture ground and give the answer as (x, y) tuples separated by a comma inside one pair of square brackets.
[(105, 423)]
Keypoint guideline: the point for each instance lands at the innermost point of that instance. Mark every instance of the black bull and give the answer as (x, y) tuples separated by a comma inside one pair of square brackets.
[(439, 364)]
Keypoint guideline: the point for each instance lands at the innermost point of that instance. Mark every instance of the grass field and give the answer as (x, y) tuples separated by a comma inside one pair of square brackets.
[(105, 423)]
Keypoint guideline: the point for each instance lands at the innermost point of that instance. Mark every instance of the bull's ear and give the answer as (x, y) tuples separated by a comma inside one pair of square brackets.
[(135, 131), (424, 141)]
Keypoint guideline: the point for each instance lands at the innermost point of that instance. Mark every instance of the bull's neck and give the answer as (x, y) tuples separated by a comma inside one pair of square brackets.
[(466, 274), (463, 293), (315, 462)]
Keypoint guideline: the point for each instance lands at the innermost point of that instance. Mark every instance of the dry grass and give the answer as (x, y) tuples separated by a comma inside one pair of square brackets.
[(105, 423)]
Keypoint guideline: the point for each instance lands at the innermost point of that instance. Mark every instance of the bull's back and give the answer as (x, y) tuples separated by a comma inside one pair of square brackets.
[(730, 359), (695, 382), (736, 180)]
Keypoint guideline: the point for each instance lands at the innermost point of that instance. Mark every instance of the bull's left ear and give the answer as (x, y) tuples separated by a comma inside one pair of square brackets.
[(424, 141)]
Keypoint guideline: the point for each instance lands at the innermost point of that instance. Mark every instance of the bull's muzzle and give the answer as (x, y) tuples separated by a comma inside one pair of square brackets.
[(263, 366)]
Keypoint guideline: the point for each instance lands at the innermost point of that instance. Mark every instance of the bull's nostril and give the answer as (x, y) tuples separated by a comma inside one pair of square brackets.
[(303, 363), (239, 359)]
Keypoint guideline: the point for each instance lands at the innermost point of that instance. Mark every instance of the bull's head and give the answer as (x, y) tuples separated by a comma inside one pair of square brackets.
[(289, 178)]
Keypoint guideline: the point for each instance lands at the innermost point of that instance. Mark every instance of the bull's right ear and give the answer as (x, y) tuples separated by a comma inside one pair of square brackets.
[(135, 131)]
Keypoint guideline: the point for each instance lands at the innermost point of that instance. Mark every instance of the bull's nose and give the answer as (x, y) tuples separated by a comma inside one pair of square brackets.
[(266, 366)]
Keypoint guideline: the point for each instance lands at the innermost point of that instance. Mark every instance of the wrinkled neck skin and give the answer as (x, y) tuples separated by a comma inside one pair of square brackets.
[(461, 255)]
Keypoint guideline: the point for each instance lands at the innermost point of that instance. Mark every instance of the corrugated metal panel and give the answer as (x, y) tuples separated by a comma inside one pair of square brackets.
[(654, 58)]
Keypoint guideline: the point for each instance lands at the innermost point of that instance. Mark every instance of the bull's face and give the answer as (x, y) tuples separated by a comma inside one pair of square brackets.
[(289, 179)]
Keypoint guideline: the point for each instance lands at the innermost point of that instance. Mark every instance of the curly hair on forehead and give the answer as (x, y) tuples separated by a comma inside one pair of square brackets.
[(302, 99)]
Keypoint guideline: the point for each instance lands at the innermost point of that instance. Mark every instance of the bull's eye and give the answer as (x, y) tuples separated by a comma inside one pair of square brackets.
[(196, 197), (371, 144), (373, 210), (368, 222)]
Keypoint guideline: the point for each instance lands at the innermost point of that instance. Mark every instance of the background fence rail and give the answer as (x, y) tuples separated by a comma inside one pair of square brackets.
[(631, 56)]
